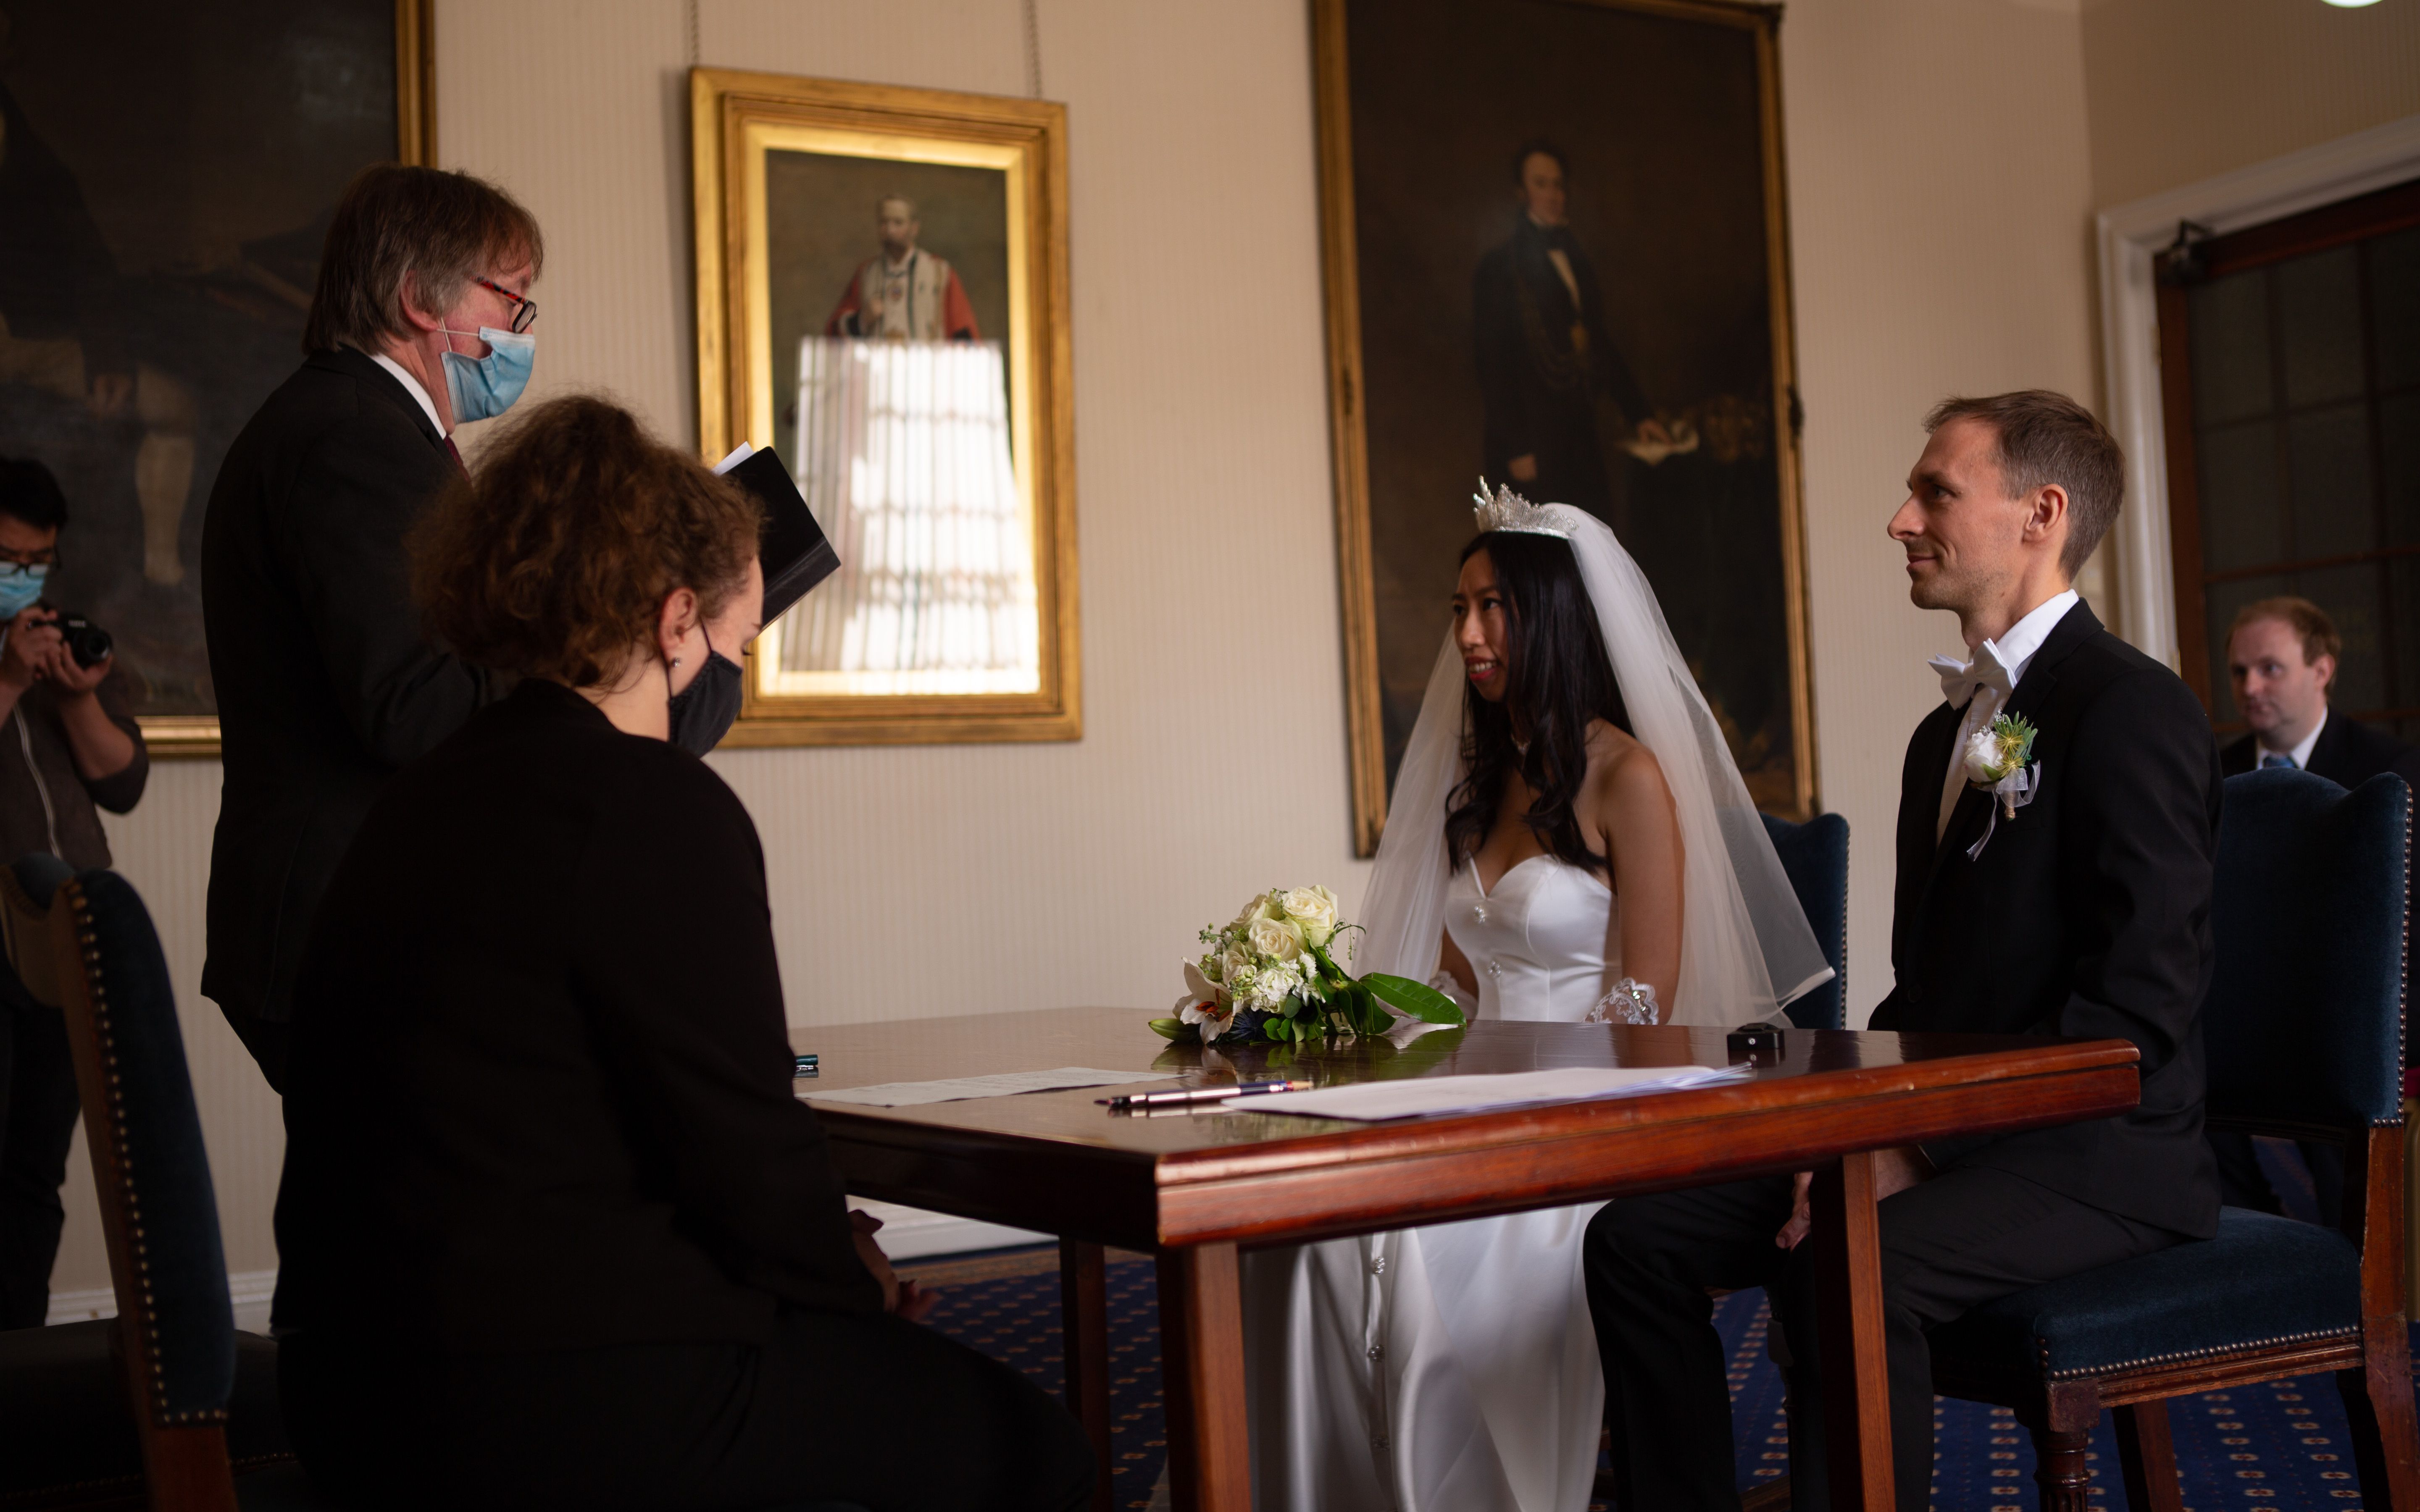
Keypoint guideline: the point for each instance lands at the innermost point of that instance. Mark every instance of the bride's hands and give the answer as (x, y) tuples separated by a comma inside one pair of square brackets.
[(906, 1298)]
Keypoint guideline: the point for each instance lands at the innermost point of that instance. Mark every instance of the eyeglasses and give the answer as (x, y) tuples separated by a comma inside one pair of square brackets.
[(524, 311), (14, 564)]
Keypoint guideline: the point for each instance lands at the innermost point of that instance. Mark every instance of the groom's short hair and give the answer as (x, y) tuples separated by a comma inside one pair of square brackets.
[(2044, 438)]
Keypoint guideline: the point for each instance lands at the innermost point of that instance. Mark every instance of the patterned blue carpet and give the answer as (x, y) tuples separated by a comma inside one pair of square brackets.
[(2279, 1445)]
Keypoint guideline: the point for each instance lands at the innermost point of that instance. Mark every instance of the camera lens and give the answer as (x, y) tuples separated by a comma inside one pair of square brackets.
[(88, 643)]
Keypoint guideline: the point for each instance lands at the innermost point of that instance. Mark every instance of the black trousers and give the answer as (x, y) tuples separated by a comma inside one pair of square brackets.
[(1964, 1238), (38, 1121), (833, 1407)]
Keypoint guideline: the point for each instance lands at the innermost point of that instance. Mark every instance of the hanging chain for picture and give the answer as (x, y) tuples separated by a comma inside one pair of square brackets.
[(1033, 47)]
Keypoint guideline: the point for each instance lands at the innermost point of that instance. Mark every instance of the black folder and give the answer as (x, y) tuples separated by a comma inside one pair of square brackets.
[(796, 554)]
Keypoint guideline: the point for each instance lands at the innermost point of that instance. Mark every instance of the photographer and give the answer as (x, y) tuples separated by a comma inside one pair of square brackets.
[(67, 744)]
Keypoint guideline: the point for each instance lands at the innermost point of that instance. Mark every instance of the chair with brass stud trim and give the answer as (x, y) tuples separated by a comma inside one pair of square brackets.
[(158, 1406), (2302, 1030)]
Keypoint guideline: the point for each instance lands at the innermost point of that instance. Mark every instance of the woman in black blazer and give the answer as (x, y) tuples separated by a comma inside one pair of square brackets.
[(554, 1230)]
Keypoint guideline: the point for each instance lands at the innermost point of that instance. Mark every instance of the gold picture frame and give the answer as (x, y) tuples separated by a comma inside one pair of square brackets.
[(1790, 790), (197, 735), (739, 121)]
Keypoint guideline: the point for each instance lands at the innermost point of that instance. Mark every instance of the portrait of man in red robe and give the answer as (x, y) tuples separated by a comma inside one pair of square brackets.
[(905, 293)]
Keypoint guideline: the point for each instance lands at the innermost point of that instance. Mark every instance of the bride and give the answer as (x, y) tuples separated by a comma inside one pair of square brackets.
[(1570, 841)]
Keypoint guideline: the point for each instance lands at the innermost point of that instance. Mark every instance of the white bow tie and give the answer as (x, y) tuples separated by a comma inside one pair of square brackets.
[(1960, 679)]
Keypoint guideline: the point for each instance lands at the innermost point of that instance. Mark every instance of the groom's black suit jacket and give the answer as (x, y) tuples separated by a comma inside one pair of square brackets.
[(2087, 915)]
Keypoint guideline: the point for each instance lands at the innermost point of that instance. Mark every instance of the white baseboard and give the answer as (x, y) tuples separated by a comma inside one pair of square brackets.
[(250, 1290), (907, 1234)]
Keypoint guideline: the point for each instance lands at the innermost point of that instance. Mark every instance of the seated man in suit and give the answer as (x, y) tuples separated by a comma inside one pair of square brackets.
[(2082, 908), (2281, 657)]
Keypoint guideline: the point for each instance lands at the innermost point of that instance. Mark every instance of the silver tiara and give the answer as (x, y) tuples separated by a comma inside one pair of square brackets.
[(1509, 511)]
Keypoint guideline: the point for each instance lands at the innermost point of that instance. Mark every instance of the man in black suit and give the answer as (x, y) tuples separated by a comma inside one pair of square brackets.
[(2079, 905), (1543, 356), (2281, 657), (325, 682)]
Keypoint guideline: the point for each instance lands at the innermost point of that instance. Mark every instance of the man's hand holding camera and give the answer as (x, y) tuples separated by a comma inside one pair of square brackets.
[(39, 649), (73, 656)]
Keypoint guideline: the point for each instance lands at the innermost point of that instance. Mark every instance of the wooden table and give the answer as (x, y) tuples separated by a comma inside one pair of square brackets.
[(1194, 1188)]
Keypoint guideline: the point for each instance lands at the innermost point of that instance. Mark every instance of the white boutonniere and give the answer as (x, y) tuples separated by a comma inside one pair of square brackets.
[(1999, 761)]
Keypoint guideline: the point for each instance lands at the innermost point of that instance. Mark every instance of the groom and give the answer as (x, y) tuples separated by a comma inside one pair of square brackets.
[(2086, 914)]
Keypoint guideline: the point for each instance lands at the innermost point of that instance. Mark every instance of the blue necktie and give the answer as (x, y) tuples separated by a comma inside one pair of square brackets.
[(2270, 758)]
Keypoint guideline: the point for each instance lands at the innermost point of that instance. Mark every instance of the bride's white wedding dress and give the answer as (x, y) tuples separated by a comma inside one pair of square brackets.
[(1450, 1367)]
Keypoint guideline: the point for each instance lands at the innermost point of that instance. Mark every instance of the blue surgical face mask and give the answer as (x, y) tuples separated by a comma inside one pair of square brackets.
[(483, 388), (21, 589)]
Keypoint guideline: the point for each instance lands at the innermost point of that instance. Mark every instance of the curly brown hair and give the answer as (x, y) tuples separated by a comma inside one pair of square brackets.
[(555, 559)]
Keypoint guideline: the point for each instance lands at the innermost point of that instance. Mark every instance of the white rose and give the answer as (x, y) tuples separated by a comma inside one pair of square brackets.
[(1983, 758), (1280, 939), (1235, 965), (1263, 906), (1315, 909)]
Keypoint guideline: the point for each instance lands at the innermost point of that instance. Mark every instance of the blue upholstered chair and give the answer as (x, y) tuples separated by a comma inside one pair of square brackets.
[(1815, 855), (2304, 1033), (203, 1397)]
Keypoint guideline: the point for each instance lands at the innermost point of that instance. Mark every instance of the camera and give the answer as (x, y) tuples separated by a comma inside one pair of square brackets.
[(88, 643)]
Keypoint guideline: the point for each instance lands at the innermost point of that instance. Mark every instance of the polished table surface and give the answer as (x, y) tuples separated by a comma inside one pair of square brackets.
[(1195, 1185)]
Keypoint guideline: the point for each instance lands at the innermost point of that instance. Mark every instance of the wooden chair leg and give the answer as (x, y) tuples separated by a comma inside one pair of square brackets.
[(2062, 1433), (2379, 1420), (2148, 1458)]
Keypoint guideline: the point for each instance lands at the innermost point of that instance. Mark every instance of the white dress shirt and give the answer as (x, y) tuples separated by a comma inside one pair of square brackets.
[(2300, 754), (411, 386), (2011, 651)]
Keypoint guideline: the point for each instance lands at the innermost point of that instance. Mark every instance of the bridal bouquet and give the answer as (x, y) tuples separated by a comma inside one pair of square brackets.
[(1272, 975)]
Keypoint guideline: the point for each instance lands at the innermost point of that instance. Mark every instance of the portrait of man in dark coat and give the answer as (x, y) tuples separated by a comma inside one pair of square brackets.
[(1538, 318)]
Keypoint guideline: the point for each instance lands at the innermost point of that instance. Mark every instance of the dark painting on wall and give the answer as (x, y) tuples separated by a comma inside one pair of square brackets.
[(167, 172), (1555, 257)]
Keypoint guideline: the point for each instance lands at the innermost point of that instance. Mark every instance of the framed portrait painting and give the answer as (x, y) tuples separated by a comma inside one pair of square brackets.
[(882, 298), (1557, 257), (167, 174)]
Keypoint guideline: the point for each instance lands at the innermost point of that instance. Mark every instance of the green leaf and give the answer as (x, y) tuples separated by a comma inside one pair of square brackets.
[(1405, 996), (1174, 1029)]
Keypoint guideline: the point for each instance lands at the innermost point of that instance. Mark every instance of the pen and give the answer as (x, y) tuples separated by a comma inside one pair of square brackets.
[(1199, 1094)]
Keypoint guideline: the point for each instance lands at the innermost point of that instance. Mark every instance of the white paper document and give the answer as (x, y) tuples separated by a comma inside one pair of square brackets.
[(957, 1089), (1414, 1096)]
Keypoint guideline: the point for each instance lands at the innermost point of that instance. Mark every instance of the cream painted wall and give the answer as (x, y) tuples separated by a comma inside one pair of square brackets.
[(1939, 189), (2182, 90), (1939, 181)]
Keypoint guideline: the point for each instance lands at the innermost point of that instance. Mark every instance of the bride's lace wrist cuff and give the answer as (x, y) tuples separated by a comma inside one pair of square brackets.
[(1443, 981), (1629, 1002)]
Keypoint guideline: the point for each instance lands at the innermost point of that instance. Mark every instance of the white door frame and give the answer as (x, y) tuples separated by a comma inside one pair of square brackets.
[(2131, 237)]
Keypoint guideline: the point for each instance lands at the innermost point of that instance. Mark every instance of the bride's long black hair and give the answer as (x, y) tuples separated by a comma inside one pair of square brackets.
[(1558, 679)]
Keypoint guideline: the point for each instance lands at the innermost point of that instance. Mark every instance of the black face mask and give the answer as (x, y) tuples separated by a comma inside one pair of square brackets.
[(703, 712)]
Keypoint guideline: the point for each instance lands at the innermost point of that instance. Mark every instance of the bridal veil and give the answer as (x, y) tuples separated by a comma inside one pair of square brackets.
[(1745, 946)]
